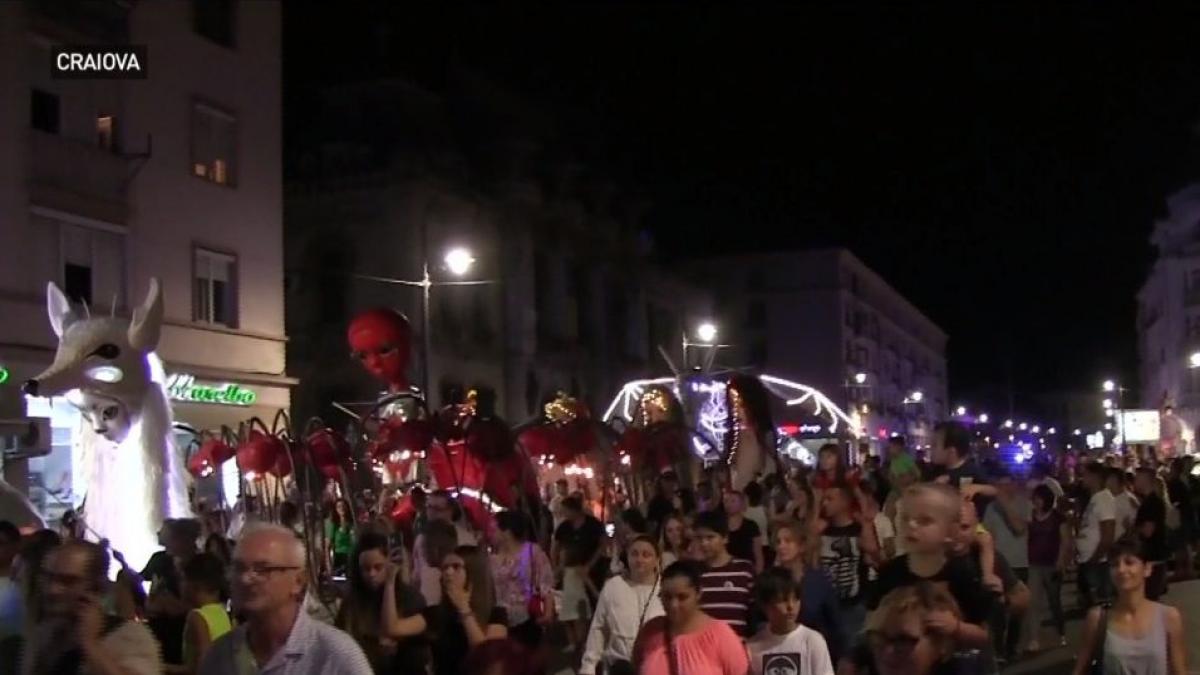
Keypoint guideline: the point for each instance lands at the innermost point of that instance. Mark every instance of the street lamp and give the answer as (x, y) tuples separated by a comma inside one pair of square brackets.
[(983, 418), (706, 332), (961, 411), (459, 260), (860, 378), (1109, 385), (706, 336)]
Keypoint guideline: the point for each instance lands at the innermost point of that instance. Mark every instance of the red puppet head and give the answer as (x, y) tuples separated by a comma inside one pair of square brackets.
[(381, 340)]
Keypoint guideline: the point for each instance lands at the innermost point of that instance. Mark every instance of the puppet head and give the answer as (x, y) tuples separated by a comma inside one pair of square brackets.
[(381, 340), (104, 357)]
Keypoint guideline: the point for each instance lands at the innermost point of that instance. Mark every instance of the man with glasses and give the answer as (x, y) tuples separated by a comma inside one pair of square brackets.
[(74, 635), (268, 581)]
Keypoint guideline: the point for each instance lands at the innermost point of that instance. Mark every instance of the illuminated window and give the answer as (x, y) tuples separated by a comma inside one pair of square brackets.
[(214, 288), (214, 144)]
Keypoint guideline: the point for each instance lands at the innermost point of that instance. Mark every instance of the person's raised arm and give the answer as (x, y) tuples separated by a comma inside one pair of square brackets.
[(392, 624)]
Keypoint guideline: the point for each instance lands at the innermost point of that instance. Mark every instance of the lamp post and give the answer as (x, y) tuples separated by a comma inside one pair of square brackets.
[(706, 334)]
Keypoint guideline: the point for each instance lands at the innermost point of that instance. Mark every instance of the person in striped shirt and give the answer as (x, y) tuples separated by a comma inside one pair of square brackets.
[(725, 585)]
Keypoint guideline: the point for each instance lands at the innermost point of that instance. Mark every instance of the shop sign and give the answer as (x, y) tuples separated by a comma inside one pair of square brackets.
[(184, 387)]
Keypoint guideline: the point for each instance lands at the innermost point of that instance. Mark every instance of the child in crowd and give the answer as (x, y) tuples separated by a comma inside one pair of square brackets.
[(783, 645), (203, 589), (725, 585), (933, 513)]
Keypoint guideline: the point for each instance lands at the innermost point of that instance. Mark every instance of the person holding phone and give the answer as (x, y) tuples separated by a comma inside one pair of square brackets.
[(74, 634)]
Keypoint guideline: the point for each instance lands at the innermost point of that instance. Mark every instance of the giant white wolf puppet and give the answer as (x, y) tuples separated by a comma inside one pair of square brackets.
[(108, 368)]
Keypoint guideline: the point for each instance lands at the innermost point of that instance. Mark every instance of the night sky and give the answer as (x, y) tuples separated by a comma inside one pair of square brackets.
[(1001, 167)]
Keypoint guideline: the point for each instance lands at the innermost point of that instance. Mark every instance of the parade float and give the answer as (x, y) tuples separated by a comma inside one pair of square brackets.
[(726, 420), (106, 366)]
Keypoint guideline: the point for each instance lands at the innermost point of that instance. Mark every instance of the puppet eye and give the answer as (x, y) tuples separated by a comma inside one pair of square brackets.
[(107, 351)]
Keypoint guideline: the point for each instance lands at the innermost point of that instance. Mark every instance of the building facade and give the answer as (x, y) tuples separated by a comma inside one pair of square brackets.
[(562, 295), (825, 319), (1168, 321), (105, 184)]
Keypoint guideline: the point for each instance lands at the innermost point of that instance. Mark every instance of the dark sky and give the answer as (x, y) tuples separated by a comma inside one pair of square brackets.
[(1002, 167)]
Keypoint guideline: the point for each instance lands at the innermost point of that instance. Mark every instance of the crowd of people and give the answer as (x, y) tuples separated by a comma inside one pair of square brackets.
[(897, 566)]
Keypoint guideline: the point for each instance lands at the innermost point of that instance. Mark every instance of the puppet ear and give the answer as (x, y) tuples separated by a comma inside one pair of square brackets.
[(58, 308), (147, 320)]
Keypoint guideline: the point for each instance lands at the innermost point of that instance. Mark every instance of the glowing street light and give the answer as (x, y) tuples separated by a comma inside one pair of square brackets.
[(916, 396), (860, 378), (706, 332), (1109, 385), (459, 260), (983, 418), (961, 411)]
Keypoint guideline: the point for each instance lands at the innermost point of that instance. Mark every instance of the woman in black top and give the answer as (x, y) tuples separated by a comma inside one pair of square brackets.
[(468, 615), (377, 603)]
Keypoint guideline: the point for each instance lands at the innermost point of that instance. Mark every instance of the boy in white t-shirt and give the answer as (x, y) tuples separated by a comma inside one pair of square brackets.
[(783, 645)]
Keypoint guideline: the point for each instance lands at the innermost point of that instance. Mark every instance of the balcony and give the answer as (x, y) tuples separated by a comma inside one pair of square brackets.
[(84, 21), (78, 177)]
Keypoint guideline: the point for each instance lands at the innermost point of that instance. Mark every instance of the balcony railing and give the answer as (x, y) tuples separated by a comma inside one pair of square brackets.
[(79, 168)]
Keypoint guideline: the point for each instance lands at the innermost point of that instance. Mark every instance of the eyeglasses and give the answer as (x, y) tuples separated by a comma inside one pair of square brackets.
[(258, 570), (898, 642)]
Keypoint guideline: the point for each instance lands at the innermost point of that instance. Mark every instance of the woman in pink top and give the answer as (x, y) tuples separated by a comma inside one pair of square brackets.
[(687, 641)]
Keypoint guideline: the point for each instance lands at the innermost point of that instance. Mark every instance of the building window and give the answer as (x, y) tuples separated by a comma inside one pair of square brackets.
[(93, 266), (214, 20), (44, 114), (214, 144), (106, 132), (214, 288)]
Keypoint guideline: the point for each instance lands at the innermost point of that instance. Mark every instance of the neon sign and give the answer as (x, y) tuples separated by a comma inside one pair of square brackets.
[(183, 387), (4, 374)]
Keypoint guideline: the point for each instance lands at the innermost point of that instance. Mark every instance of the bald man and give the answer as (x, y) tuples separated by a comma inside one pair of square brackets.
[(268, 581)]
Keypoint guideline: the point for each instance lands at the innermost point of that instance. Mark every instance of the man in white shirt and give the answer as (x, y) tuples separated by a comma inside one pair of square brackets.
[(783, 645), (1126, 504), (1097, 532), (269, 578)]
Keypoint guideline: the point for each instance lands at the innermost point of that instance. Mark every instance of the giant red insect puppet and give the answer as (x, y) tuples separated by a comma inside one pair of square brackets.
[(468, 449), (658, 441)]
